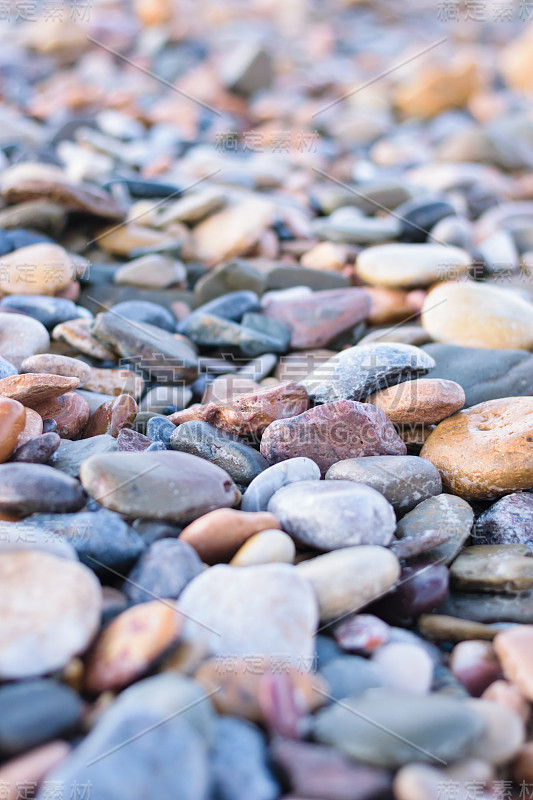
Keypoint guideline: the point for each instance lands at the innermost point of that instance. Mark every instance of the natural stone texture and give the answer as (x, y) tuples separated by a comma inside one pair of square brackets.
[(111, 417), (77, 333), (405, 481), (151, 271), (267, 610), (218, 535), (508, 521), (29, 488), (174, 486), (70, 455), (502, 318), (164, 570), (420, 590), (264, 486), (52, 612), (33, 389), (232, 231), (405, 334), (426, 400), (441, 627), (427, 727), (50, 311), (444, 512), (493, 568), (318, 317), (33, 427), (332, 578), (267, 547), (355, 373), (12, 422), (239, 762), (514, 648), (38, 450), (145, 311), (409, 265), (225, 387), (20, 337), (485, 450), (333, 514), (114, 382), (331, 432), (192, 207), (475, 665), (37, 269), (325, 256), (413, 546), (70, 412), (249, 414), (489, 608), (130, 644), (53, 364)]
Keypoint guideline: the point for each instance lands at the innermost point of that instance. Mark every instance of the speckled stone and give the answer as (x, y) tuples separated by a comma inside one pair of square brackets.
[(425, 400), (261, 489), (70, 412), (331, 432), (445, 512), (111, 417), (20, 337), (164, 570), (77, 334), (355, 373), (50, 602), (29, 488), (485, 451), (34, 389), (218, 535), (508, 521), (333, 514), (404, 481), (114, 382)]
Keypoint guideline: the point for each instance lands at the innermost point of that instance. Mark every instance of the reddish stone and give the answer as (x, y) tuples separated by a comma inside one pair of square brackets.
[(332, 432), (33, 426), (70, 413), (132, 441), (32, 389), (112, 416), (12, 421)]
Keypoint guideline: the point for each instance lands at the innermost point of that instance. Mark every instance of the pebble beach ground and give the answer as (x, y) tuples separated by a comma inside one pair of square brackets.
[(266, 400)]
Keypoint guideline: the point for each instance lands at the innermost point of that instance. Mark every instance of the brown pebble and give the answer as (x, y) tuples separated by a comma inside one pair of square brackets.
[(111, 417), (70, 412), (12, 422), (77, 333), (33, 389), (42, 268), (33, 426), (217, 536), (425, 400)]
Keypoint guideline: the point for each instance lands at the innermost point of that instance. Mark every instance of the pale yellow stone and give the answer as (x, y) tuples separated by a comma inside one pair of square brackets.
[(266, 547), (403, 266), (151, 271), (37, 269), (326, 256), (232, 231)]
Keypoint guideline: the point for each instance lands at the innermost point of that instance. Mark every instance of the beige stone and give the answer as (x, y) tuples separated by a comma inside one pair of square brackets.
[(151, 271), (402, 265), (514, 648), (232, 231), (54, 364), (267, 547), (426, 400), (37, 269), (326, 256)]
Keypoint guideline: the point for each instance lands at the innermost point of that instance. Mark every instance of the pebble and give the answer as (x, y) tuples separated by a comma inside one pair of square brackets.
[(20, 337), (239, 762), (406, 334), (145, 311), (154, 271), (225, 387), (33, 766), (361, 633), (507, 695), (355, 373), (175, 486), (249, 414), (399, 266), (350, 676), (420, 590), (411, 547), (12, 422), (6, 368), (41, 269), (77, 334), (130, 643), (218, 535), (33, 427), (166, 399), (267, 483), (475, 665), (423, 401), (70, 455), (513, 648), (444, 512), (331, 432), (503, 319), (232, 231), (231, 306), (52, 364), (111, 417), (33, 389), (332, 578), (130, 441), (70, 412), (508, 521), (52, 603), (114, 382), (277, 611), (405, 667), (504, 732), (164, 570), (488, 608), (29, 488), (428, 727), (267, 547), (484, 451), (51, 710), (160, 429), (49, 311), (493, 568), (440, 627), (38, 450), (405, 481), (325, 256), (226, 450), (317, 318)]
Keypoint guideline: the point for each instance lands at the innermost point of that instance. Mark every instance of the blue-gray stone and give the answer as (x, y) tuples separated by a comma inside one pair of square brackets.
[(265, 485), (160, 429), (228, 306), (50, 311), (6, 368), (239, 768), (350, 676), (164, 570), (145, 311), (70, 455)]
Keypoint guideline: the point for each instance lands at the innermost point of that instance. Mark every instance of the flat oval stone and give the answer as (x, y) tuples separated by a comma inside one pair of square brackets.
[(508, 521), (241, 461), (485, 451), (266, 610), (70, 412), (249, 414), (77, 333), (502, 318), (12, 422), (164, 570), (493, 568), (71, 454), (426, 400), (145, 311), (261, 489), (38, 450), (410, 265), (165, 485), (426, 727), (52, 611), (32, 389), (50, 311), (218, 535), (331, 432), (267, 547), (20, 337), (332, 578), (111, 417), (36, 269), (6, 368), (53, 364), (355, 373), (151, 271), (404, 481), (29, 488), (333, 514), (446, 513)]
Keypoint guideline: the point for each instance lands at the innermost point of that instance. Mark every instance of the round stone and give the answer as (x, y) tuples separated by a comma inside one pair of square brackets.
[(485, 451), (70, 412), (333, 514), (421, 588), (478, 315), (53, 364), (164, 570), (52, 611), (425, 400), (332, 578), (504, 732), (12, 421), (267, 547), (41, 269), (508, 521), (111, 417), (409, 265), (218, 535), (29, 488), (475, 665), (267, 483), (20, 337), (405, 667), (404, 481)]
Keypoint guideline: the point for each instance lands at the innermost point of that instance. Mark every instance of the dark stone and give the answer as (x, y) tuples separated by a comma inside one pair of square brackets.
[(50, 311), (508, 521), (34, 712), (49, 426), (160, 429), (151, 530), (238, 761), (228, 306), (71, 454), (226, 450), (146, 189), (350, 676), (39, 450), (30, 488), (419, 215), (483, 374), (5, 243), (132, 441), (420, 589), (164, 570), (145, 311)]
